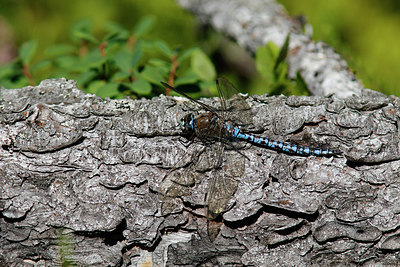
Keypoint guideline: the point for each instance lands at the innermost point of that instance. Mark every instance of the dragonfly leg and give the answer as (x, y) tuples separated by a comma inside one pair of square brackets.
[(230, 144)]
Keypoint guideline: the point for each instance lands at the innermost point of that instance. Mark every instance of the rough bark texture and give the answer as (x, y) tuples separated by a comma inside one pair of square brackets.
[(80, 175)]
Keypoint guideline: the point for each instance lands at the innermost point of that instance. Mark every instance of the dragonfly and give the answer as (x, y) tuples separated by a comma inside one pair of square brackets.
[(216, 128)]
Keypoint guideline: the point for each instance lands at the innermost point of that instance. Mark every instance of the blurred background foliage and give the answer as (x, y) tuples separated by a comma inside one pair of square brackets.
[(366, 33), (124, 48)]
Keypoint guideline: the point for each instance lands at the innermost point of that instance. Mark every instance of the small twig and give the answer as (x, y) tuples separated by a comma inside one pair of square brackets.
[(172, 73), (102, 49), (27, 73)]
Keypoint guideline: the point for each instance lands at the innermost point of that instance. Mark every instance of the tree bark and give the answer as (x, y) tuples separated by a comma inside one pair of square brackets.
[(80, 176)]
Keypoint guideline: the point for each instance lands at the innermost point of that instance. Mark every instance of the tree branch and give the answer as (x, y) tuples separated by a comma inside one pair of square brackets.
[(254, 23), (79, 178)]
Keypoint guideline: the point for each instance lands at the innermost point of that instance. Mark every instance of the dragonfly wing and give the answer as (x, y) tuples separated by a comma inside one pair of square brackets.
[(206, 107), (223, 184), (225, 88), (178, 182), (174, 185), (234, 102), (226, 171)]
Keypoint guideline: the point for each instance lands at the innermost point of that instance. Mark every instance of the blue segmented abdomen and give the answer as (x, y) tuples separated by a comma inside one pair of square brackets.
[(277, 145)]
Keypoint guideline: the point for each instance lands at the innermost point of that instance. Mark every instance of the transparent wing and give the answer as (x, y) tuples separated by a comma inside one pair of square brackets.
[(225, 167), (175, 185), (233, 104), (223, 184), (179, 181), (225, 88), (206, 107), (224, 180)]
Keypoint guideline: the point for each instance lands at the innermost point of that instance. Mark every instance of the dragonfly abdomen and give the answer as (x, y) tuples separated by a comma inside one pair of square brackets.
[(277, 145)]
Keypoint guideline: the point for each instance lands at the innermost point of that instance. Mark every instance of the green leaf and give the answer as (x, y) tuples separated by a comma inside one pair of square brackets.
[(95, 86), (67, 62), (209, 87), (27, 51), (116, 31), (137, 54), (202, 66), (188, 78), (157, 62), (92, 60), (120, 95), (115, 37), (120, 75), (83, 35), (126, 61), (6, 71), (144, 26), (152, 74), (123, 60), (265, 58), (277, 89), (301, 85), (161, 65), (274, 49), (19, 83), (86, 77), (141, 86), (84, 25), (164, 48), (186, 54), (282, 53), (281, 73), (113, 47), (108, 90)]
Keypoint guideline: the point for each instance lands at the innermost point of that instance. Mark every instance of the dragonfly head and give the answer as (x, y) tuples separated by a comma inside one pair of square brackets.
[(187, 123)]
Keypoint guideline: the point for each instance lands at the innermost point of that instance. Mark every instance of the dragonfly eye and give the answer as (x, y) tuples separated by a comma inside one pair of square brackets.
[(182, 124), (187, 122)]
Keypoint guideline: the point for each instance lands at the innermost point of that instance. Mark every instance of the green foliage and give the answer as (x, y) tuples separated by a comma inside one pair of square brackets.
[(273, 69), (122, 63), (368, 40), (368, 45), (127, 63), (26, 51), (202, 66)]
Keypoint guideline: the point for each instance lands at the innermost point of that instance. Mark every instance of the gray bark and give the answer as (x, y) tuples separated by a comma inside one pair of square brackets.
[(79, 179), (79, 176)]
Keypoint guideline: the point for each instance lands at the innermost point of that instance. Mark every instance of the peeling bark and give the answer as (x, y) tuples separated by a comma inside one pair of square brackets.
[(80, 176)]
